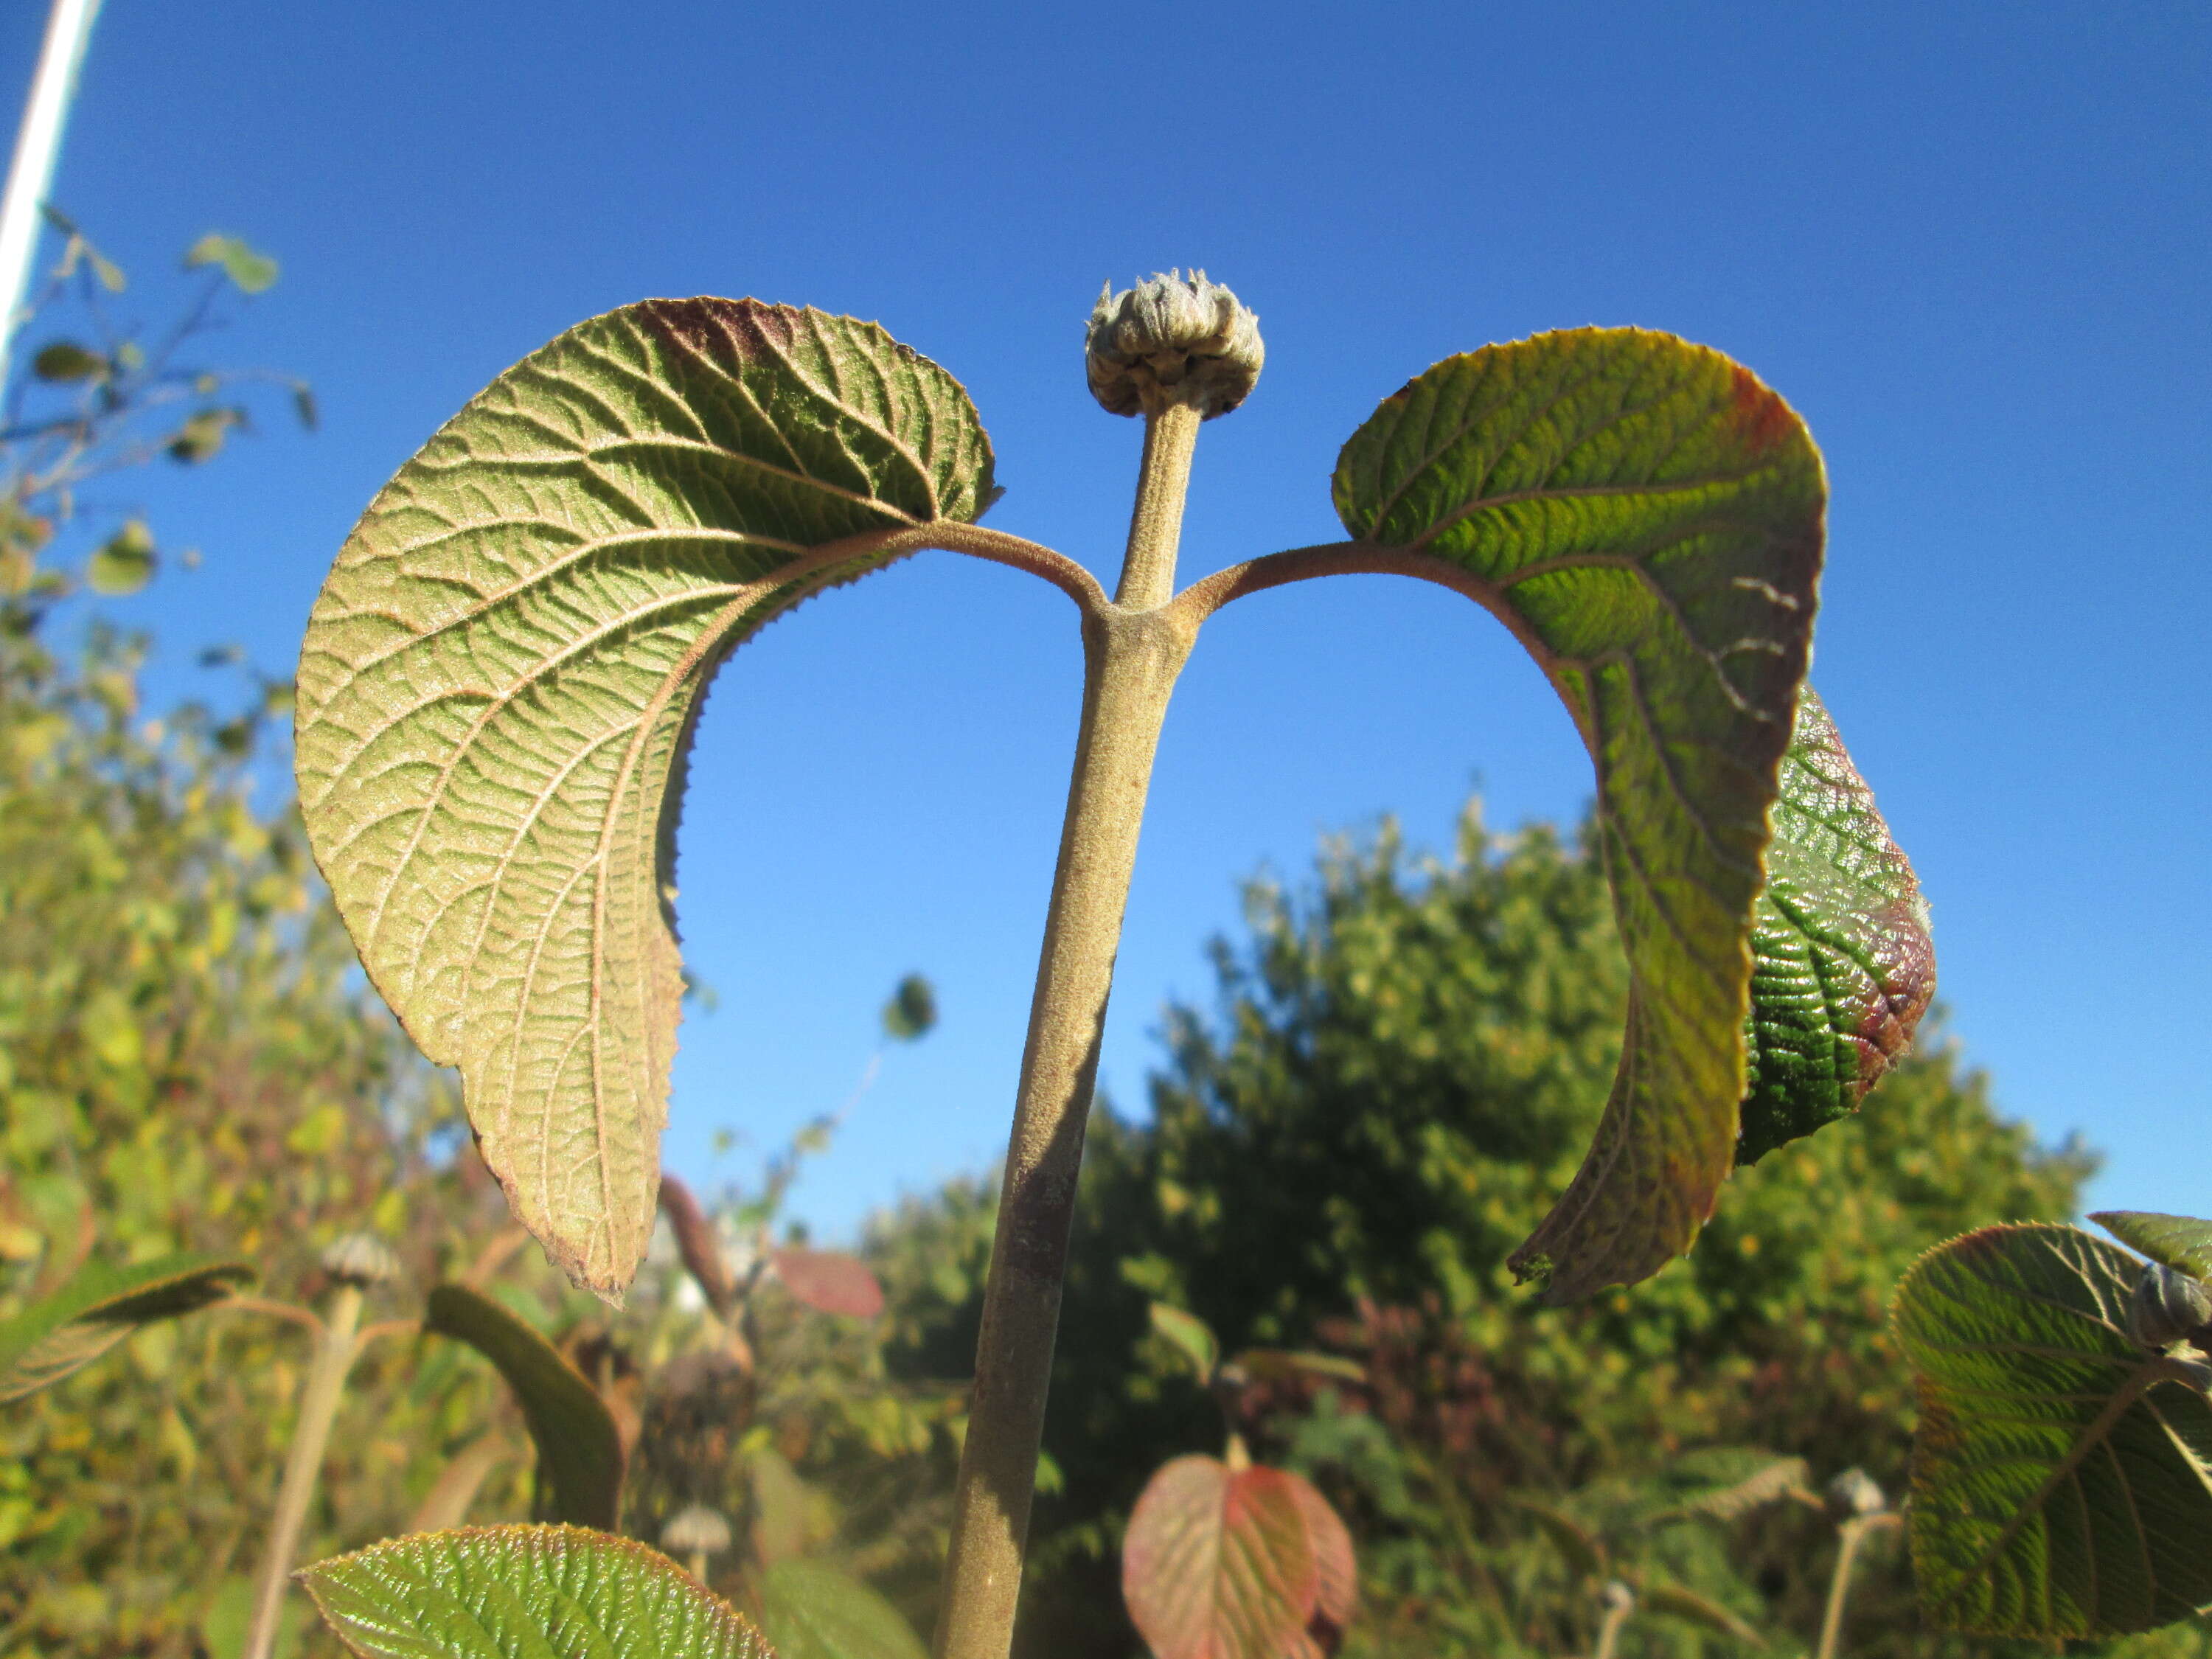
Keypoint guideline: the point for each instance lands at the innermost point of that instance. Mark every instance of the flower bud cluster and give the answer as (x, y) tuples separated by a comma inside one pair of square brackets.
[(1172, 340)]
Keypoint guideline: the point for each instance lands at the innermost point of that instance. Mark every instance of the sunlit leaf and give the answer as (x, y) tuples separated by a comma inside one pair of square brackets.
[(1295, 1364), (1189, 1336), (124, 562), (811, 1610), (1646, 517), (828, 1281), (251, 272), (523, 1593), (1843, 962), (2060, 1484), (579, 1451), (1774, 1480), (1336, 1569), (99, 1307), (1219, 1564), (500, 677), (2180, 1242)]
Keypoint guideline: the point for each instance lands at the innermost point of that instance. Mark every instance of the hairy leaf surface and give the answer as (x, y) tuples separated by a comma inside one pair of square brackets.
[(500, 676), (523, 1593), (99, 1308), (1646, 517), (1219, 1564), (2180, 1242), (2060, 1484), (580, 1451), (1843, 965)]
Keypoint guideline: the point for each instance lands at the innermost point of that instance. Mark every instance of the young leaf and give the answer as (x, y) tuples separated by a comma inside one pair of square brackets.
[(911, 1014), (124, 562), (1190, 1336), (2180, 1242), (2059, 1476), (579, 1451), (66, 360), (828, 1281), (1646, 517), (811, 1610), (1843, 965), (500, 679), (523, 1593), (252, 272), (1219, 1564), (99, 1308)]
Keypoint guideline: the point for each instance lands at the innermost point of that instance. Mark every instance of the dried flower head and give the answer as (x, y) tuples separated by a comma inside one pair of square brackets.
[(696, 1530), (1174, 339), (359, 1259), (1856, 1492)]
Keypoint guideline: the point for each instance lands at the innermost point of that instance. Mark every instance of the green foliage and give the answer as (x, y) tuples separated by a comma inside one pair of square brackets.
[(99, 1308), (580, 1450), (911, 1013), (554, 579), (2059, 1484), (2180, 1242), (1646, 517), (810, 1610), (525, 1593), (1405, 1064), (251, 272)]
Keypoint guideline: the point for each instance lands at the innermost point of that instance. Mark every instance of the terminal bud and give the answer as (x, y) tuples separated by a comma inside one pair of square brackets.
[(1174, 339), (2167, 1306), (359, 1259)]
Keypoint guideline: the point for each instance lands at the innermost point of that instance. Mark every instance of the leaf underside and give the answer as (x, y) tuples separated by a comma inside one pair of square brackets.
[(100, 1307), (1842, 964), (2180, 1242), (523, 1593), (580, 1451), (1646, 517), (500, 676), (1220, 1564), (2060, 1473)]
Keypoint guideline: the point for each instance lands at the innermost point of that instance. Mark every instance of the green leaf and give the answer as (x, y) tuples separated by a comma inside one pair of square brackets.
[(523, 1593), (1774, 1480), (1843, 962), (2060, 1481), (1295, 1364), (1190, 1336), (1679, 1603), (2180, 1242), (912, 1012), (66, 360), (1578, 1546), (499, 680), (828, 1281), (252, 272), (580, 1451), (124, 562), (1219, 1564), (201, 437), (782, 1507), (811, 1610), (99, 1308), (1646, 517), (304, 406)]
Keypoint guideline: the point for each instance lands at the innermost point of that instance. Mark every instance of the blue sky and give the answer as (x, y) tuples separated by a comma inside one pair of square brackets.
[(1968, 243)]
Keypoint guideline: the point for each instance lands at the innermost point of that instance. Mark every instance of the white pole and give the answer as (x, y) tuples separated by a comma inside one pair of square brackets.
[(37, 142)]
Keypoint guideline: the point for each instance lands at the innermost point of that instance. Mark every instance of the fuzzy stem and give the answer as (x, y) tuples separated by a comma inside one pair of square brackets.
[(1133, 651), (335, 1348), (1839, 1583), (1608, 1632)]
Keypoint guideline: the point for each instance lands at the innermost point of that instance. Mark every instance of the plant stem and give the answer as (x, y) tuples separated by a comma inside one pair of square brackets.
[(1839, 1583), (1133, 651), (334, 1352), (1609, 1631)]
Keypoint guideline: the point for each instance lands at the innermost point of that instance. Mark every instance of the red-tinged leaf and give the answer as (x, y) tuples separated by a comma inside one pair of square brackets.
[(1336, 1566), (829, 1281), (1220, 1564)]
